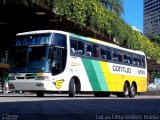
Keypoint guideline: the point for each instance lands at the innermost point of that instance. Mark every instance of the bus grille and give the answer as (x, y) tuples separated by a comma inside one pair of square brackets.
[(30, 77), (27, 77), (20, 77)]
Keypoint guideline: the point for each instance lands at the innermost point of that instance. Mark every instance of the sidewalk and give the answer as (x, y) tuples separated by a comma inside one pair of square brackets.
[(154, 93)]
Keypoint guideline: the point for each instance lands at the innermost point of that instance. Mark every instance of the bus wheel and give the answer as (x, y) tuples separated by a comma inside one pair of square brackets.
[(40, 94), (125, 92), (72, 88), (132, 91)]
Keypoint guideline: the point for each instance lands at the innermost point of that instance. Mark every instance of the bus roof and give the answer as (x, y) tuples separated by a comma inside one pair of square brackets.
[(82, 38), (40, 32)]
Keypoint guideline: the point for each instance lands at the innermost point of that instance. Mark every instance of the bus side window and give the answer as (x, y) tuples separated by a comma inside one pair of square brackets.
[(96, 51), (73, 46), (143, 61), (136, 60), (115, 55), (127, 58), (103, 53), (88, 50), (119, 53), (81, 49), (109, 55), (139, 60)]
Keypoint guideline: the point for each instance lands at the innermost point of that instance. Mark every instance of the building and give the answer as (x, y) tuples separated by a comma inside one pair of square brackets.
[(151, 21)]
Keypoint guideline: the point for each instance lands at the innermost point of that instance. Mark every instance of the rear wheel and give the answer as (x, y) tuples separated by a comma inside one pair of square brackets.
[(125, 92), (72, 88), (132, 91), (40, 94)]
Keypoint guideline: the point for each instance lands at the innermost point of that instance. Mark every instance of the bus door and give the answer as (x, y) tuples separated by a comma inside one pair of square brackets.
[(59, 53), (58, 58)]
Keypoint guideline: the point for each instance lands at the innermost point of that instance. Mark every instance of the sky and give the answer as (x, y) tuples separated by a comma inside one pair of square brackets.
[(133, 13)]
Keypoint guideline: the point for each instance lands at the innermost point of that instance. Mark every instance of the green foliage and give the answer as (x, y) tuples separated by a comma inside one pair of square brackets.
[(155, 39), (86, 13), (92, 15), (152, 76), (115, 6), (158, 74)]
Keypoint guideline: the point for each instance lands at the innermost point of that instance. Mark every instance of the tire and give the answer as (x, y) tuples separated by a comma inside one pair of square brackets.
[(125, 92), (132, 91), (40, 94), (72, 88)]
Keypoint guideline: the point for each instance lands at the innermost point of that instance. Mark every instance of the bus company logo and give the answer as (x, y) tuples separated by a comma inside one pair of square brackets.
[(121, 69), (58, 83)]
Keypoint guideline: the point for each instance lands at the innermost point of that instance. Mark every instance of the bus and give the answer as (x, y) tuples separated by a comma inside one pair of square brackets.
[(63, 62)]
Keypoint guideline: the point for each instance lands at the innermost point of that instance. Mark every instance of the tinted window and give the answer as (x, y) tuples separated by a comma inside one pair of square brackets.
[(60, 40), (73, 46), (115, 55), (103, 53), (108, 52), (81, 49), (127, 58), (119, 54), (95, 51), (143, 61), (136, 60), (89, 50)]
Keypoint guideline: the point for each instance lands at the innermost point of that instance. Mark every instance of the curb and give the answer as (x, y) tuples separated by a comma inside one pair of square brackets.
[(154, 93)]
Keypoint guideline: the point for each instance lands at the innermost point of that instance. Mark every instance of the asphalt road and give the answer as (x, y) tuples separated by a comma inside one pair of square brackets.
[(56, 107)]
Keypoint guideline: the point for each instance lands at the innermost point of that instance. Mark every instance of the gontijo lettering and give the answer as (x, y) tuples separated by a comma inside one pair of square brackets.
[(121, 69)]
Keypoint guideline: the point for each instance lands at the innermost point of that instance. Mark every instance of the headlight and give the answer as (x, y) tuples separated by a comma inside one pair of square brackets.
[(11, 78)]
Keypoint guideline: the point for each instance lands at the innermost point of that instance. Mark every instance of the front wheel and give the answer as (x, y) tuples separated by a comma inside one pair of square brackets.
[(72, 88)]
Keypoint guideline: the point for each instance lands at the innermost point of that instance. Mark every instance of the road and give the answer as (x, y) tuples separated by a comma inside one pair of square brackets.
[(56, 107)]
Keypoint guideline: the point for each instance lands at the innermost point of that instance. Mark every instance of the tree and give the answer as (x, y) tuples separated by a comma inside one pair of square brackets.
[(115, 6), (92, 15), (155, 39)]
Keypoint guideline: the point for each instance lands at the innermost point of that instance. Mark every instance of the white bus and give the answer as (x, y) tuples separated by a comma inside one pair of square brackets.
[(57, 61)]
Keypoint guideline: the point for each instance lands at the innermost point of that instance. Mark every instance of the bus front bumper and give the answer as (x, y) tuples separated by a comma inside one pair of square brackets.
[(32, 86)]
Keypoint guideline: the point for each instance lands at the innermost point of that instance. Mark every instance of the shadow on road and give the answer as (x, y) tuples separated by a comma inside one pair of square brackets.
[(79, 108)]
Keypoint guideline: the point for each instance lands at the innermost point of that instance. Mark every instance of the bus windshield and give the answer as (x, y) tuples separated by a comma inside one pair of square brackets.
[(30, 54), (39, 53), (30, 59), (33, 39)]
